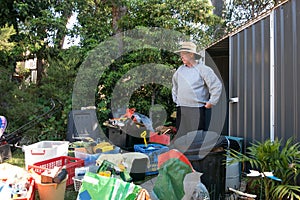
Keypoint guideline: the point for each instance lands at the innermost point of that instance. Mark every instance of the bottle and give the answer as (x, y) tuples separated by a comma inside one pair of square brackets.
[(60, 176)]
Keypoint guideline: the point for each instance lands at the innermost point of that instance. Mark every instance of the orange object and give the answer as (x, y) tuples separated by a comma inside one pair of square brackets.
[(129, 114)]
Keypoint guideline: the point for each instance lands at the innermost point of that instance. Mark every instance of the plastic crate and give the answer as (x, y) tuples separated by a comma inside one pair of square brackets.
[(77, 183), (70, 162), (44, 150), (152, 151)]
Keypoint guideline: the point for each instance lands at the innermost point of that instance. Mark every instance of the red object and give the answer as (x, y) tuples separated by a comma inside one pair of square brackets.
[(70, 162), (30, 192), (173, 153), (160, 139)]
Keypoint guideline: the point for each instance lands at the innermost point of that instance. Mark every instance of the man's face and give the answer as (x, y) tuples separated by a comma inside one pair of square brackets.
[(187, 57)]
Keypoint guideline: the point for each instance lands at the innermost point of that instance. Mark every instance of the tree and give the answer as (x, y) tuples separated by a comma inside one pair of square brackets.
[(238, 12), (99, 20), (40, 28)]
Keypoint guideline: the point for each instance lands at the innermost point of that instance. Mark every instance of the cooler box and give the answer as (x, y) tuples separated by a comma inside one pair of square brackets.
[(159, 138), (44, 150)]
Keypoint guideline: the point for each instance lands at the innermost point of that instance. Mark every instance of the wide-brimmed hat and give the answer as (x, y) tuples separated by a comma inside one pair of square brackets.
[(188, 47)]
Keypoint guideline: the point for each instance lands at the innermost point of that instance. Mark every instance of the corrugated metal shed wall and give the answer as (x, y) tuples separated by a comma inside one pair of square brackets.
[(287, 72), (249, 71), (249, 78)]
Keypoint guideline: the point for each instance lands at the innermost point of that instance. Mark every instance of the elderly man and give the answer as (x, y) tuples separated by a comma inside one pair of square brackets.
[(196, 89)]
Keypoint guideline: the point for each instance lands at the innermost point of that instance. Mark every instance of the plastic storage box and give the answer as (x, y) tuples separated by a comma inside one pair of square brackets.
[(152, 151), (90, 159), (125, 139), (70, 162), (44, 150)]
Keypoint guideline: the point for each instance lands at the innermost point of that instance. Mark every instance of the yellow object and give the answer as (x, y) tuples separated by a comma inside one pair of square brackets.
[(104, 146), (107, 148), (143, 135), (105, 173), (121, 167)]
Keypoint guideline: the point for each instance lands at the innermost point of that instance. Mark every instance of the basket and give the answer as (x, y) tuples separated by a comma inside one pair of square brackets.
[(70, 162), (44, 150), (152, 151), (77, 183)]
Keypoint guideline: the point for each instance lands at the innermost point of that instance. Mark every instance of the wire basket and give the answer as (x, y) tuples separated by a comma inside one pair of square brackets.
[(77, 183)]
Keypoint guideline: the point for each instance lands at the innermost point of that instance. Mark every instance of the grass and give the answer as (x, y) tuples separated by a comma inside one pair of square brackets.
[(18, 159)]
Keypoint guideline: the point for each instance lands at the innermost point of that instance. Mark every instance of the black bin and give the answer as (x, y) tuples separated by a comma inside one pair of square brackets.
[(125, 138), (211, 164), (214, 173)]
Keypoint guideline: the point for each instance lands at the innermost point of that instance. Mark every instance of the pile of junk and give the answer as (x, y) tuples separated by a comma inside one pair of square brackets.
[(128, 159), (131, 150)]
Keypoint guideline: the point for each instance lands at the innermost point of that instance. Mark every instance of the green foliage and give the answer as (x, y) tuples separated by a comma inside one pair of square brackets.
[(5, 34), (283, 161), (239, 12), (40, 31)]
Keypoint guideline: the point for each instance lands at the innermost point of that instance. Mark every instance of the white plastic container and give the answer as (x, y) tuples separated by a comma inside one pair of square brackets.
[(90, 159), (44, 150)]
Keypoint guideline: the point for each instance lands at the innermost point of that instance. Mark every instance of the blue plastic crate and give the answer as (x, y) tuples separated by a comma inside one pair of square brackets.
[(152, 151)]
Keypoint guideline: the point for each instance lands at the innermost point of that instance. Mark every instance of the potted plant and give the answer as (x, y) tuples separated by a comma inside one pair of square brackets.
[(282, 161)]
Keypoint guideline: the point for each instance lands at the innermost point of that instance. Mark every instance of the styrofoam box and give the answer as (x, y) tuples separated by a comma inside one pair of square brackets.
[(44, 150)]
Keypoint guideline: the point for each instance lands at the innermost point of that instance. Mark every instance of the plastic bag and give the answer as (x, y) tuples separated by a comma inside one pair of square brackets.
[(193, 187), (96, 187), (169, 183), (200, 192)]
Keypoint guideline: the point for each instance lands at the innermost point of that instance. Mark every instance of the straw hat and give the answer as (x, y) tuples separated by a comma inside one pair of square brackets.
[(188, 47)]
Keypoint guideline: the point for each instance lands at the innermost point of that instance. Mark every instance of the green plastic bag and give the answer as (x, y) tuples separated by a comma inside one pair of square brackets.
[(169, 183), (95, 187)]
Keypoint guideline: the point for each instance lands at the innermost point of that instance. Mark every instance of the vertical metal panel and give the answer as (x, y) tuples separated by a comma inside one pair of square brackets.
[(250, 82), (287, 72)]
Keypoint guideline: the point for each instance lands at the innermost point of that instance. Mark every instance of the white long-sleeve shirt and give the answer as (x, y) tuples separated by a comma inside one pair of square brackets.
[(194, 86)]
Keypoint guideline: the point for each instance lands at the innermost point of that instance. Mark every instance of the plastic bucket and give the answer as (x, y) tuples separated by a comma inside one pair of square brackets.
[(52, 191)]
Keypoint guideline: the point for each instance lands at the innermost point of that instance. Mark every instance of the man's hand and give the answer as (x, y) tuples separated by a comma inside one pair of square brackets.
[(208, 105)]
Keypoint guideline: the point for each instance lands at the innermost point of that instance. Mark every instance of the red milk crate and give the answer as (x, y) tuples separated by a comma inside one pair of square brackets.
[(70, 162)]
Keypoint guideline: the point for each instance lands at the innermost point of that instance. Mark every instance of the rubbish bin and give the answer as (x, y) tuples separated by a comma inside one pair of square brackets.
[(52, 191), (197, 146)]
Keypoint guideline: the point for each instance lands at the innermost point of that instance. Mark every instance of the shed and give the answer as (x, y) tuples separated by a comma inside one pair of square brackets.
[(260, 65)]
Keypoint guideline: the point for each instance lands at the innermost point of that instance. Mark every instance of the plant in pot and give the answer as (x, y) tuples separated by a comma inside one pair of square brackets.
[(283, 161)]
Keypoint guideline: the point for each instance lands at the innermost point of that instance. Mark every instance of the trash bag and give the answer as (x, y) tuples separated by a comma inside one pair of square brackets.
[(96, 187), (169, 183)]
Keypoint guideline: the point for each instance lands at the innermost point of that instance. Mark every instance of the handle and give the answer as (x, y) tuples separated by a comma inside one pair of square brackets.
[(234, 100), (143, 135), (38, 154)]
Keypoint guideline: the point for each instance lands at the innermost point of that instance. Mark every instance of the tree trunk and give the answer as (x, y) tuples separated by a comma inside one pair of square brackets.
[(40, 70)]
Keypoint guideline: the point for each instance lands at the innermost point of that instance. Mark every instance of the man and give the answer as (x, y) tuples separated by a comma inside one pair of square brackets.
[(196, 89)]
